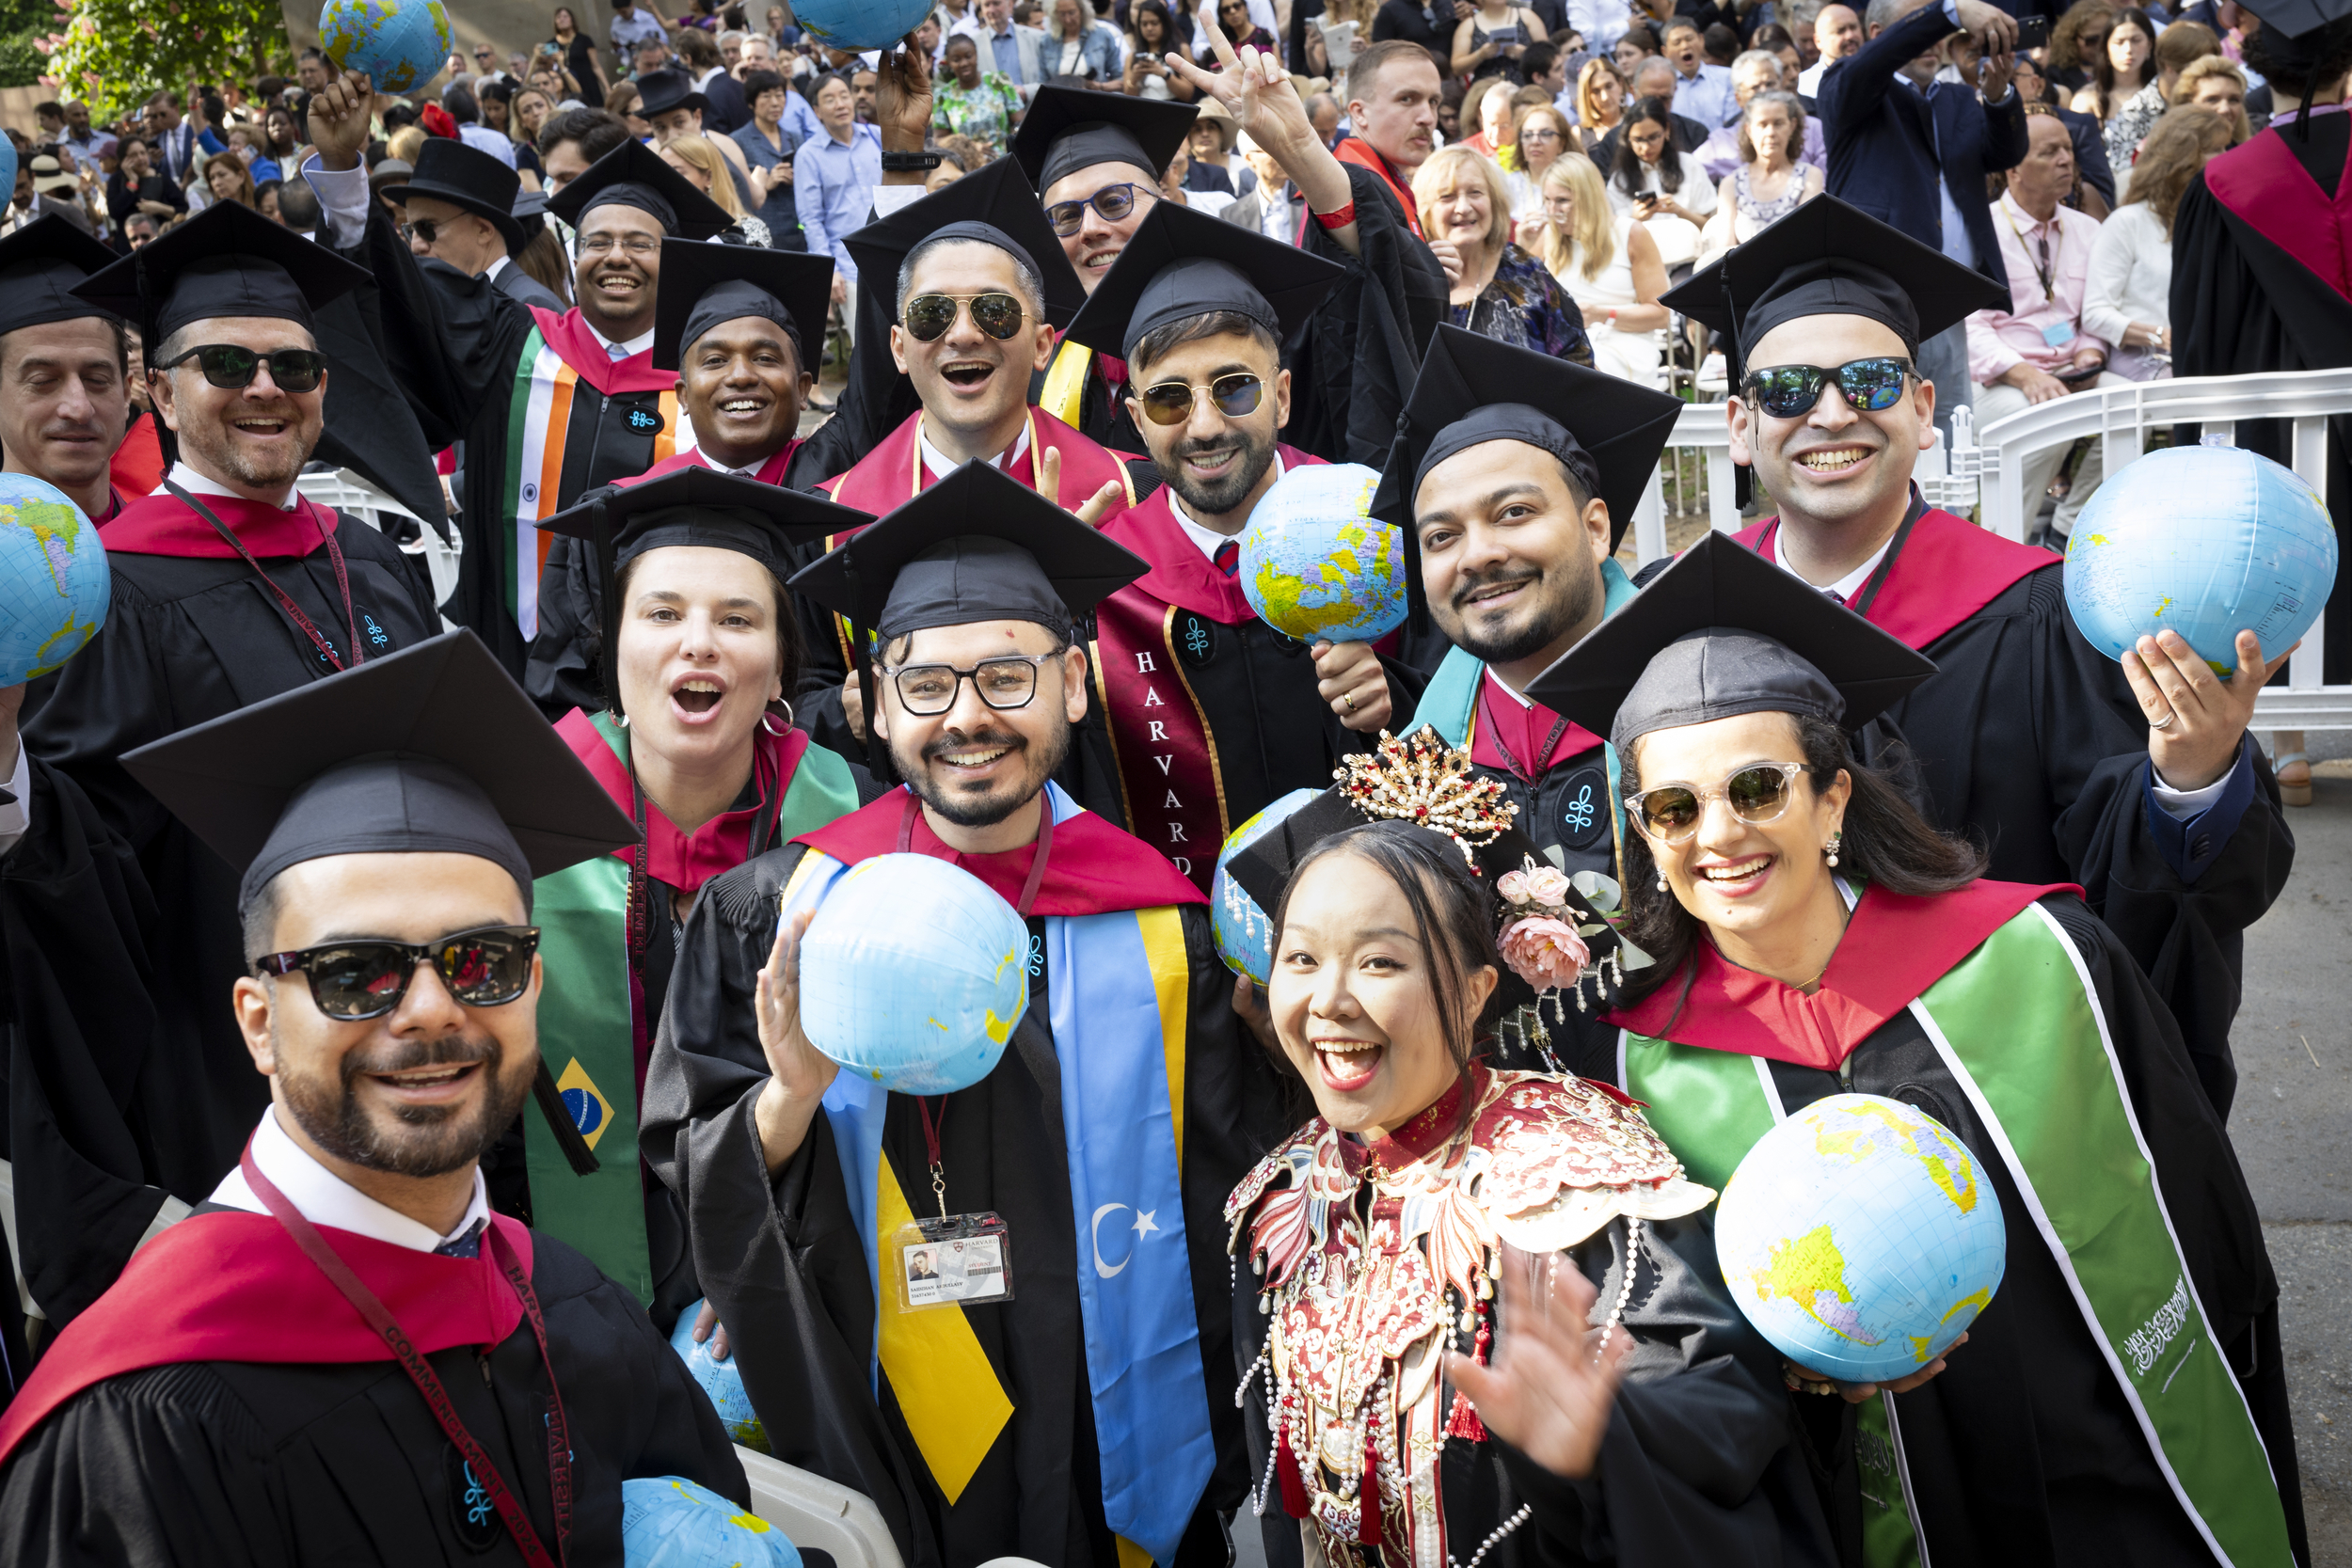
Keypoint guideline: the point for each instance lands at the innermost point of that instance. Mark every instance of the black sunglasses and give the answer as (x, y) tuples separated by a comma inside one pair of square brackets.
[(427, 230), (232, 367), (1113, 201), (995, 312), (1235, 395), (1790, 392), (355, 980)]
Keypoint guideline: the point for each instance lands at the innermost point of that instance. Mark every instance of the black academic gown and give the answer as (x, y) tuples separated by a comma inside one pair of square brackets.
[(2022, 1451), (187, 640), (2242, 306), (251, 1466), (1701, 1463), (786, 1266), (1352, 368)]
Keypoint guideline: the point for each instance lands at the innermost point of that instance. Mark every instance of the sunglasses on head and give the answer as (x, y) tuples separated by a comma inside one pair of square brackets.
[(1235, 395), (1113, 201), (1790, 392), (928, 317), (232, 367), (355, 980), (1757, 794)]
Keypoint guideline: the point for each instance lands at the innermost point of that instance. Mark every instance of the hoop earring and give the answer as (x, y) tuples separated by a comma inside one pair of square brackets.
[(1830, 849), (767, 720)]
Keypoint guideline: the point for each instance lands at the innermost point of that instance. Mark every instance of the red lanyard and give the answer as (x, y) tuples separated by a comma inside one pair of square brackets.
[(1037, 861), (285, 600), (379, 1317)]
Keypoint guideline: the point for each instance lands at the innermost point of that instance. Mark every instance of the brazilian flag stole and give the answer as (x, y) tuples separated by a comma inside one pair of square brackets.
[(2017, 1025), (1119, 1002), (595, 1033)]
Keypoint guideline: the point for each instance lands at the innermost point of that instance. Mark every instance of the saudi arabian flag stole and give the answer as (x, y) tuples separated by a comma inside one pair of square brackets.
[(1118, 997), (2017, 1025)]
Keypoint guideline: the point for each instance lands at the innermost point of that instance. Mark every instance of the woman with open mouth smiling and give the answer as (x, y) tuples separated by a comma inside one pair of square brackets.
[(699, 747)]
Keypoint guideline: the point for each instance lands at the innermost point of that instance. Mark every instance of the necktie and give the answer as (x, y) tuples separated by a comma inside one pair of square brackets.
[(468, 1245), (1228, 558), (614, 351), (1835, 596)]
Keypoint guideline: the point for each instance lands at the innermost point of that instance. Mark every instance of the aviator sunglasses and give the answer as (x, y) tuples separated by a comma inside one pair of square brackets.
[(232, 367), (995, 312), (1790, 392), (1235, 395), (355, 980), (1757, 794)]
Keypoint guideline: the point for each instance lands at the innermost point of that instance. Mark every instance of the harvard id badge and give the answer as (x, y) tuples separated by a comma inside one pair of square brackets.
[(960, 1260)]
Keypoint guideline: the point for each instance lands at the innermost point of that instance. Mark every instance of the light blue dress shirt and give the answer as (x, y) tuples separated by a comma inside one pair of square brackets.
[(833, 189)]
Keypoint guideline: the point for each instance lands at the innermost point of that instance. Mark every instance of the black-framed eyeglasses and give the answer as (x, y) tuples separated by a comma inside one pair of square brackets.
[(1790, 392), (1006, 683), (1113, 201), (356, 980), (1235, 396), (928, 317), (427, 230), (232, 368), (1757, 794)]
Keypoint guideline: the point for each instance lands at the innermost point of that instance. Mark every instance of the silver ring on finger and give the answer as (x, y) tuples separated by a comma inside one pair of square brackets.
[(2165, 722)]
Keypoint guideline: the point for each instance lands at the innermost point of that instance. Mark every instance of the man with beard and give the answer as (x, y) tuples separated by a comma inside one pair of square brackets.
[(1514, 478), (242, 1393), (1207, 713), (1090, 1418), (64, 366), (2135, 781), (229, 587)]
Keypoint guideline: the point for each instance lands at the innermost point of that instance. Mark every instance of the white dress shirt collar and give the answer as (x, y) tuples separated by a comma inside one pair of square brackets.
[(325, 1198), (197, 484), (629, 346), (1208, 539), (938, 465)]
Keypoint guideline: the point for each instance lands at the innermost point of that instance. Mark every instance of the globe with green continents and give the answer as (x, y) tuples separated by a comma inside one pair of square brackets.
[(399, 44), (860, 24), (1861, 1238), (1244, 933), (54, 587), (1315, 566)]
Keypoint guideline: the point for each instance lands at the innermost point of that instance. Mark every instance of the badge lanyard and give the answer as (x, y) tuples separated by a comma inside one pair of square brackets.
[(420, 1370), (1494, 733), (285, 600)]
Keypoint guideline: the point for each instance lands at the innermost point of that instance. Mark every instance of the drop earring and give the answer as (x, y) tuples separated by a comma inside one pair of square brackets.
[(1830, 849)]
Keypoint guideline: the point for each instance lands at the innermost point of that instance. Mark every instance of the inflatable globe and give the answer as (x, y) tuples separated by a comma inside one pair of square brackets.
[(53, 585), (400, 44), (1244, 933), (722, 1381), (668, 1522), (7, 165), (1860, 1238), (860, 23), (912, 974), (1315, 566), (2207, 541)]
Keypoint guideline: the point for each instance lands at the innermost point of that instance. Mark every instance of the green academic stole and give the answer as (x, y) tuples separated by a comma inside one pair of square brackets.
[(590, 1017), (2017, 1024)]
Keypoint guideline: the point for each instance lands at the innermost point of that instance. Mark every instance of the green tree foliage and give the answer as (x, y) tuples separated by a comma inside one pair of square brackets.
[(117, 53)]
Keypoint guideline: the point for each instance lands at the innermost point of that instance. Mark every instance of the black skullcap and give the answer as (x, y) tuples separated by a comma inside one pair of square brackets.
[(227, 261), (1071, 128), (978, 545), (1722, 631), (434, 748), (994, 206), (702, 285), (41, 265), (1182, 264), (695, 505), (633, 175), (1473, 390)]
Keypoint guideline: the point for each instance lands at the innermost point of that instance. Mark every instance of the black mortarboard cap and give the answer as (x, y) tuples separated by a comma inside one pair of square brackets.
[(41, 265), (1075, 128), (2297, 18), (1722, 631), (997, 207), (634, 174), (695, 505), (703, 285), (227, 261), (1181, 264), (433, 748), (1473, 390)]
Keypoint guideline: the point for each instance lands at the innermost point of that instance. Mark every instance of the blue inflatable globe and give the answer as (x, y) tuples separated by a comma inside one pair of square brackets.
[(1860, 1238), (1244, 933), (53, 585), (912, 974), (860, 23), (400, 44), (1314, 566), (722, 1381), (2207, 541), (668, 1522), (7, 165)]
